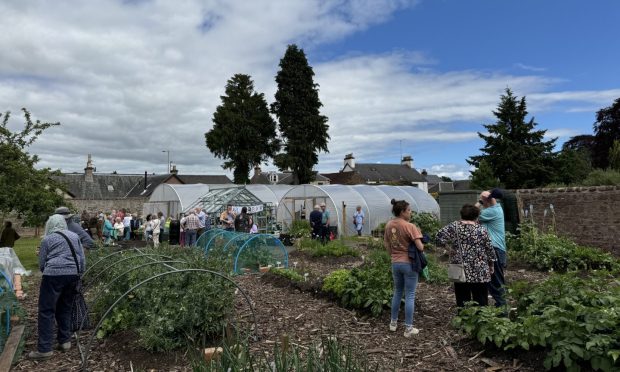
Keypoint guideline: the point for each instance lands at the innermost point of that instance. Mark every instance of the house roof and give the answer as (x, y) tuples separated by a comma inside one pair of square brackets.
[(218, 179), (152, 181), (344, 178), (104, 186), (462, 185), (388, 173), (263, 178), (433, 179)]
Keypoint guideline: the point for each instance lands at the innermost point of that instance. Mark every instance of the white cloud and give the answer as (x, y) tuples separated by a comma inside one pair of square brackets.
[(130, 79), (529, 67)]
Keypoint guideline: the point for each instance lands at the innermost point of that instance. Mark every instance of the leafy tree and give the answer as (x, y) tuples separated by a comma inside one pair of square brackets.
[(614, 156), (572, 166), (297, 105), (25, 190), (606, 131), (483, 178), (446, 179), (515, 151), (580, 142), (243, 133)]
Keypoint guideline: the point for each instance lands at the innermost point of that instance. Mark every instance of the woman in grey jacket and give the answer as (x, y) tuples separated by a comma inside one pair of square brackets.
[(60, 276)]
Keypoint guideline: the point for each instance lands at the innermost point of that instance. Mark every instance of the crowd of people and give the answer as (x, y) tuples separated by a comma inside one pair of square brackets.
[(476, 243)]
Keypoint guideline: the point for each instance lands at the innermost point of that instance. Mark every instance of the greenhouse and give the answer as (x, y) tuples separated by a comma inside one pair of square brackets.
[(342, 200), (245, 252), (216, 200), (173, 199)]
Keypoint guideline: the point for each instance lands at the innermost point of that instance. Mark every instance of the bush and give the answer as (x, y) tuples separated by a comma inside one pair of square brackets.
[(600, 177), (427, 223), (577, 320), (548, 251), (300, 229), (336, 282)]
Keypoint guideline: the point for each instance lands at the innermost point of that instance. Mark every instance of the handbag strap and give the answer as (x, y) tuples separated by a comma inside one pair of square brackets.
[(458, 241), (77, 265)]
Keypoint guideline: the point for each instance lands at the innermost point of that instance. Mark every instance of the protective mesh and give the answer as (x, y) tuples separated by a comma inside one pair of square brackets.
[(246, 252)]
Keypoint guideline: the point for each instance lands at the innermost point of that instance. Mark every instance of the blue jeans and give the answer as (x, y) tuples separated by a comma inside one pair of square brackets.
[(190, 238), (404, 279), (55, 298), (127, 232), (497, 285)]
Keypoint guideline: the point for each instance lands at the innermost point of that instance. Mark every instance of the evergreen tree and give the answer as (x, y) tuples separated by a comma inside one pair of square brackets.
[(243, 133), (483, 178), (25, 190), (297, 104), (614, 156), (515, 151), (606, 131)]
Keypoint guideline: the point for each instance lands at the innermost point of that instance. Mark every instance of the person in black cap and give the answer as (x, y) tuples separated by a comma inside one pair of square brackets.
[(492, 218), (87, 241)]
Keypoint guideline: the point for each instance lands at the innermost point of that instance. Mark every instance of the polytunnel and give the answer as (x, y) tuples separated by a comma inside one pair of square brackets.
[(342, 200), (173, 199)]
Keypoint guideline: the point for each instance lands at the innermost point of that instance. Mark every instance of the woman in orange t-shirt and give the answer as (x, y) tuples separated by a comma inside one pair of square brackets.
[(399, 234)]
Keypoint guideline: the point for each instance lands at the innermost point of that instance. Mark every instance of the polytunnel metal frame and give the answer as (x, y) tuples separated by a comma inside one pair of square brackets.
[(374, 199), (85, 354), (173, 199), (254, 236)]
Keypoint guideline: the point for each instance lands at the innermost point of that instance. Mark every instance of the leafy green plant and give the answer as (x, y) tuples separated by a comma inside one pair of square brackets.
[(438, 272), (427, 223), (575, 319), (336, 281), (548, 251), (334, 248), (287, 273), (169, 312), (300, 229)]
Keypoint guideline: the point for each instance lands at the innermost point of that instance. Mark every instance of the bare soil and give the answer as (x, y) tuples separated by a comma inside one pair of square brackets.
[(304, 315)]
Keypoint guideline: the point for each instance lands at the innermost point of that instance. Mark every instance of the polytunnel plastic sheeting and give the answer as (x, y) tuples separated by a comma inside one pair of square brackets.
[(269, 193), (173, 199), (246, 252), (374, 200)]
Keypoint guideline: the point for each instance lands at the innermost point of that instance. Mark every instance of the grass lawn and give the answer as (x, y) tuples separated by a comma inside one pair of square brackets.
[(26, 249)]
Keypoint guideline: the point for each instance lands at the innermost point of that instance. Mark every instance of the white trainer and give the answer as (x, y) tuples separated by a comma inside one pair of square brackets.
[(411, 331), (393, 325)]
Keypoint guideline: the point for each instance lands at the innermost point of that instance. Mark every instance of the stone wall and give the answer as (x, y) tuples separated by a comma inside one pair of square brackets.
[(132, 204), (589, 215)]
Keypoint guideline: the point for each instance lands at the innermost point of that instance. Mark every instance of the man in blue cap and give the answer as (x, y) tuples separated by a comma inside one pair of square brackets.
[(492, 218)]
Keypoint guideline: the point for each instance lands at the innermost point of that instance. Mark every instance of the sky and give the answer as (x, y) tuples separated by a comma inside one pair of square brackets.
[(133, 82)]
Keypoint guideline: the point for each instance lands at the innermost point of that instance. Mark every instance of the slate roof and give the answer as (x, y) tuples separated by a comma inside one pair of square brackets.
[(433, 179), (206, 179), (382, 173), (344, 178), (152, 181), (104, 186)]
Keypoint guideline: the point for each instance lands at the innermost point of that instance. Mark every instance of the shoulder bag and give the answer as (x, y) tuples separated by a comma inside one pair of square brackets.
[(456, 272), (79, 310)]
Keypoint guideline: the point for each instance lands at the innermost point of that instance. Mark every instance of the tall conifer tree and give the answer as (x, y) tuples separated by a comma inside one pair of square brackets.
[(243, 133), (297, 104), (515, 151)]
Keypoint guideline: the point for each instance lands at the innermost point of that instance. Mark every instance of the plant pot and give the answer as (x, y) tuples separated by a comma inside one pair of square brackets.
[(247, 270), (212, 353), (263, 269)]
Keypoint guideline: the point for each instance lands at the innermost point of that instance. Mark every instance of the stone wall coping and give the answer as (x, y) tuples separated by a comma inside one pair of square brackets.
[(567, 189)]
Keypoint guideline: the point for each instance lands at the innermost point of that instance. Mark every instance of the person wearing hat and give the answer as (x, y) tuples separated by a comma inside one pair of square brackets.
[(324, 223), (316, 222), (87, 241), (492, 218)]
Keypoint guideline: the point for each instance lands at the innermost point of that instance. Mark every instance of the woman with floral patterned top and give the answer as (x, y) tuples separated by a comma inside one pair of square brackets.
[(472, 247)]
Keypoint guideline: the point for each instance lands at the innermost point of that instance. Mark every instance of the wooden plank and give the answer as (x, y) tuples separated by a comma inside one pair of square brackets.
[(8, 354)]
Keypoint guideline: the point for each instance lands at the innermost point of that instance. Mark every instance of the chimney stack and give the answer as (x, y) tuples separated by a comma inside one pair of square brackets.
[(349, 160), (174, 169), (257, 170), (88, 171), (145, 184), (407, 160)]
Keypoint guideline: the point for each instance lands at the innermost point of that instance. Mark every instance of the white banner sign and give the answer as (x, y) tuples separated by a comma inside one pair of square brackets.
[(251, 209)]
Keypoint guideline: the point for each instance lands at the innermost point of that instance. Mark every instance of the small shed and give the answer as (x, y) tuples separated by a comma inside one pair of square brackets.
[(342, 200), (172, 199)]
